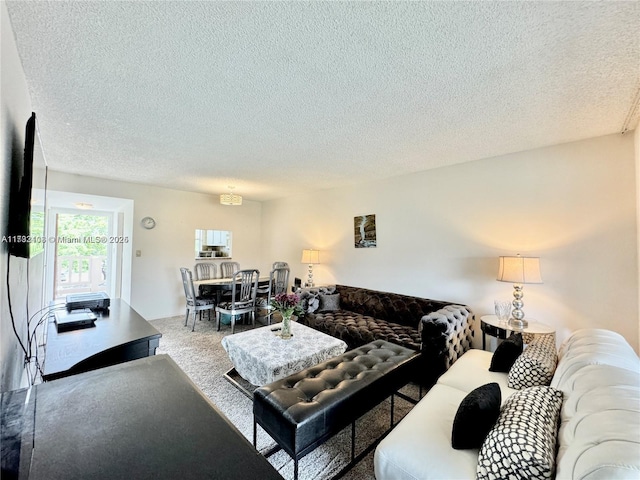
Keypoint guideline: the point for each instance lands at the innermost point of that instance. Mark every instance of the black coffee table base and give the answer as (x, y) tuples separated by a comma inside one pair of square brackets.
[(240, 383)]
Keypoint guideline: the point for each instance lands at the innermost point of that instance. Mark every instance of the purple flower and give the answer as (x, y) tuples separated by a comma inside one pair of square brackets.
[(287, 304)]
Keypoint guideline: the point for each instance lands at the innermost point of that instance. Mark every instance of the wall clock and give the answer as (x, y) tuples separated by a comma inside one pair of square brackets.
[(148, 223)]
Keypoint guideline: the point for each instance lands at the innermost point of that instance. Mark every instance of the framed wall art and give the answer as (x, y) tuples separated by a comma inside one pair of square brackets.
[(364, 230)]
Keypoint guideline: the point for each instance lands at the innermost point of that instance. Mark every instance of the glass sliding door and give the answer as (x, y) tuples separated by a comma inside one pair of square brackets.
[(83, 256)]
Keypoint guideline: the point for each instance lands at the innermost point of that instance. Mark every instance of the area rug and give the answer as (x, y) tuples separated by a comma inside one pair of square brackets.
[(203, 359)]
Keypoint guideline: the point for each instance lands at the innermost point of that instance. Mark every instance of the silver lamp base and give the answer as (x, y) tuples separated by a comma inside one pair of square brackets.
[(310, 276), (517, 320), (518, 324)]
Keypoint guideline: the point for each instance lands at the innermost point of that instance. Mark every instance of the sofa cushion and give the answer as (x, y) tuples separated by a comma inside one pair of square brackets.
[(522, 444), (472, 370), (476, 414), (357, 330), (329, 302), (536, 365), (310, 297), (419, 447), (506, 353), (309, 301)]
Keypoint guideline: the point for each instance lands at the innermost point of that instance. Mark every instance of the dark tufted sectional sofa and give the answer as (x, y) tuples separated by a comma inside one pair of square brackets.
[(363, 315)]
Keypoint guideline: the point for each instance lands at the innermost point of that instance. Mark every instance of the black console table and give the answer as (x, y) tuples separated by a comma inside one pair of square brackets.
[(143, 419), (120, 334)]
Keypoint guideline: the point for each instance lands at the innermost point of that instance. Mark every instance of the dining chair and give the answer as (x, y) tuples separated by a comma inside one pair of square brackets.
[(227, 269), (206, 271), (244, 288), (278, 283), (279, 265), (194, 303)]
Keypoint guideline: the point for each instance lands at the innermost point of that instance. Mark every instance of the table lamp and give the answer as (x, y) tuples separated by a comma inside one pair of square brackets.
[(310, 257), (519, 270)]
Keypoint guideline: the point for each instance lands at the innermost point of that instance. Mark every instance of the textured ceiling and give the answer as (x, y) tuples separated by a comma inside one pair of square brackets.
[(279, 97)]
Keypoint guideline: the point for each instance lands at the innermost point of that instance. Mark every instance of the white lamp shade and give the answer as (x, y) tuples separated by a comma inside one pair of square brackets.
[(310, 256), (519, 270)]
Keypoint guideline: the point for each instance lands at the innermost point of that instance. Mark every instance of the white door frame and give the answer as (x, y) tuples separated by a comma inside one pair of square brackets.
[(120, 212), (53, 241)]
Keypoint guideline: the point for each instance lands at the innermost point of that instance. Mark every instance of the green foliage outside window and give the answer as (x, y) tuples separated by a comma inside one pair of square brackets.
[(36, 229), (77, 233)]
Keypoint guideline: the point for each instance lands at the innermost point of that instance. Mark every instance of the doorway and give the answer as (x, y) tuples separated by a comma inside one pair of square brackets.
[(82, 255), (76, 232)]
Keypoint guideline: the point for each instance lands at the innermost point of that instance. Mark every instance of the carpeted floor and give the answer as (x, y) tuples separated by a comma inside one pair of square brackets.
[(202, 357)]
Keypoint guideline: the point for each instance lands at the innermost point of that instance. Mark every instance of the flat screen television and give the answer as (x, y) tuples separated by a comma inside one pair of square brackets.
[(27, 197)]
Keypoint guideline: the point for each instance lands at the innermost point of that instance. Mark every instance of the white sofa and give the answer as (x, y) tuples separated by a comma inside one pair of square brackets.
[(599, 429)]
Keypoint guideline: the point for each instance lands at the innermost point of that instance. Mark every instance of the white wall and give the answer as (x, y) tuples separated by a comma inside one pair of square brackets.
[(440, 232), (156, 287), (15, 109)]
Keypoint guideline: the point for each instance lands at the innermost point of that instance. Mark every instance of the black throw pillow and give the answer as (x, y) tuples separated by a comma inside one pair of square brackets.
[(476, 415), (506, 353)]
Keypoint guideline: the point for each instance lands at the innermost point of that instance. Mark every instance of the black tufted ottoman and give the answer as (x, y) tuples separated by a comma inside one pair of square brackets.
[(305, 409)]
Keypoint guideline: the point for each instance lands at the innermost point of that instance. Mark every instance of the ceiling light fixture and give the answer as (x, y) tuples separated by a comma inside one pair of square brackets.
[(230, 198)]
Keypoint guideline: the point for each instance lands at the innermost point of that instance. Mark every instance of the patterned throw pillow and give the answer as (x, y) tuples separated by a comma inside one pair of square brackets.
[(329, 302), (308, 301), (310, 297), (522, 443), (507, 353), (536, 365), (476, 414)]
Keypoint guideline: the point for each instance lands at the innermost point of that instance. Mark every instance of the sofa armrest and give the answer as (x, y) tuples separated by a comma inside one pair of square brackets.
[(446, 334)]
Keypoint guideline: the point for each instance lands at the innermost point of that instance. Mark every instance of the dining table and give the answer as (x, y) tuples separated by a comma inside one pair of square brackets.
[(220, 285)]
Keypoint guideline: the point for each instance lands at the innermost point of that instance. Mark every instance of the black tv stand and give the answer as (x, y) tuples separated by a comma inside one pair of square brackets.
[(143, 419), (120, 335)]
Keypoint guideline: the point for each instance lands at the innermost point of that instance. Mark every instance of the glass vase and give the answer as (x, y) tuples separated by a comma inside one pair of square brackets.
[(286, 327), (503, 311)]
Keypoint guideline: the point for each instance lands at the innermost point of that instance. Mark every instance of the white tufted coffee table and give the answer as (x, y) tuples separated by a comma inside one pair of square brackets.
[(260, 356)]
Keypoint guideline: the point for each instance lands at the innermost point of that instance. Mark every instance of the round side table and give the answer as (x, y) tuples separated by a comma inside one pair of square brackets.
[(490, 325)]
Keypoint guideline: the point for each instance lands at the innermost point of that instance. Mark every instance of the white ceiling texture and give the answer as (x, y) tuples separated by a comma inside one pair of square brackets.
[(276, 98)]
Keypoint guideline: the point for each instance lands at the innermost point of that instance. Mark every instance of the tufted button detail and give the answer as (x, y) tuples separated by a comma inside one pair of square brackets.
[(366, 315), (347, 386)]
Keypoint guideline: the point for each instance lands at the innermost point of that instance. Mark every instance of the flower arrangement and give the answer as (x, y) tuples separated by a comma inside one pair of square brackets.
[(287, 304)]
